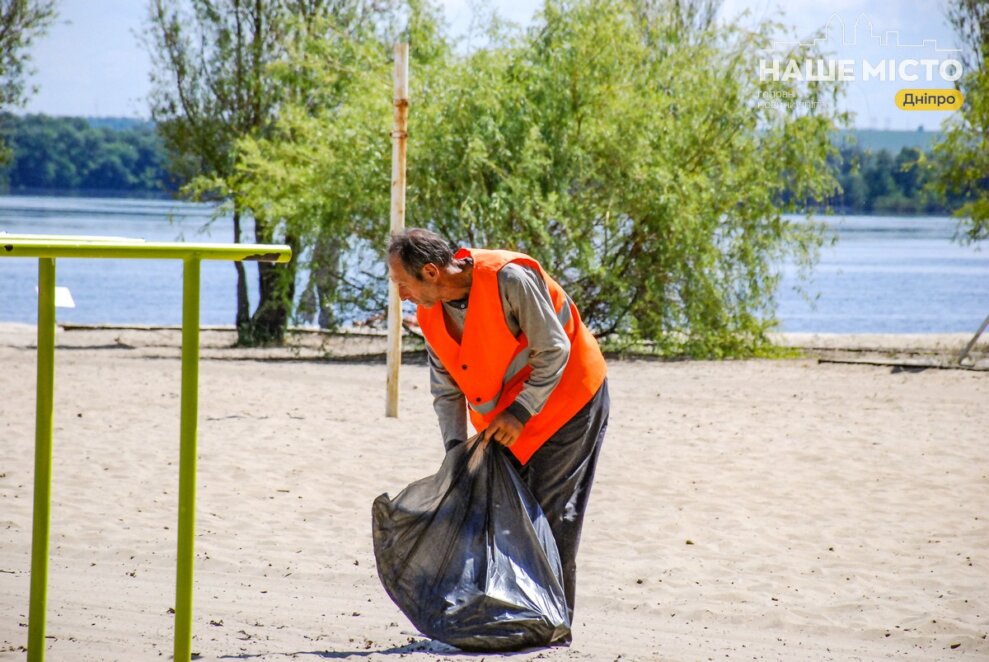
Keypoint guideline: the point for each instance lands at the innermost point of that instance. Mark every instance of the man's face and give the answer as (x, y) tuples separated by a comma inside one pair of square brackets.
[(422, 292)]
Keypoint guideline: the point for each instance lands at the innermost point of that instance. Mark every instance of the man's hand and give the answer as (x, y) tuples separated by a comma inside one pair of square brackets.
[(505, 429)]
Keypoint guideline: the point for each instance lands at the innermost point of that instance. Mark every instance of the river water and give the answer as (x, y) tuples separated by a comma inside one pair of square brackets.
[(884, 274)]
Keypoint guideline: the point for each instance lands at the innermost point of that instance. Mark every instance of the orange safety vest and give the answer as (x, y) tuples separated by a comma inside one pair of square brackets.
[(490, 365)]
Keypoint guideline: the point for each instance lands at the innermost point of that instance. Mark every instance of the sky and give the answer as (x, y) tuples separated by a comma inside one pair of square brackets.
[(92, 62)]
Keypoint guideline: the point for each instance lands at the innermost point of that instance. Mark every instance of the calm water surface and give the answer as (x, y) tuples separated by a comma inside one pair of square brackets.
[(884, 275), (118, 291), (891, 275)]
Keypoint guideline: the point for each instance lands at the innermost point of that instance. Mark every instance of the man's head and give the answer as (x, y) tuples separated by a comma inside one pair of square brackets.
[(421, 263)]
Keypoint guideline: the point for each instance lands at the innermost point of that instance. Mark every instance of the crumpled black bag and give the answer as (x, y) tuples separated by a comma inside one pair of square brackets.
[(468, 555)]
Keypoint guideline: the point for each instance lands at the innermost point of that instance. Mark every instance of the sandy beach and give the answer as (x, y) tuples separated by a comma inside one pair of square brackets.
[(757, 510)]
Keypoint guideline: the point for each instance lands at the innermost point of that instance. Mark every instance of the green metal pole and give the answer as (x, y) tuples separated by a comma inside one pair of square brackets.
[(187, 461), (42, 460)]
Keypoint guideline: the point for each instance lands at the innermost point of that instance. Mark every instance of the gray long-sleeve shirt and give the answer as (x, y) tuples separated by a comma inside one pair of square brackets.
[(528, 309)]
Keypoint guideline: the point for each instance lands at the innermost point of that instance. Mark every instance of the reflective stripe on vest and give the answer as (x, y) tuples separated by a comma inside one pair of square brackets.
[(519, 363)]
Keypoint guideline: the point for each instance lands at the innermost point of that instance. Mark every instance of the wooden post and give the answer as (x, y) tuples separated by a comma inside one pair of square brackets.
[(399, 137)]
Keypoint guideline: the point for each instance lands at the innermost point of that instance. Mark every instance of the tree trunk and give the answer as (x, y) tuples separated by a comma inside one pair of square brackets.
[(276, 285), (243, 320), (321, 290)]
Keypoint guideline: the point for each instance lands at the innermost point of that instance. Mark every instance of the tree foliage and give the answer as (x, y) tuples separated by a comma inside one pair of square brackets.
[(71, 154), (21, 22), (623, 143), (324, 166), (207, 90), (210, 88), (883, 183), (219, 80), (962, 156), (323, 169), (119, 155)]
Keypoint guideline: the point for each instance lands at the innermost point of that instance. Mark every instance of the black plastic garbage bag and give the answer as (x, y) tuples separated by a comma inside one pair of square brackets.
[(468, 555)]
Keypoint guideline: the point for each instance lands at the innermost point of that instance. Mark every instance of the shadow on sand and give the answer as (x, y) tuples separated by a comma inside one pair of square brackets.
[(427, 646)]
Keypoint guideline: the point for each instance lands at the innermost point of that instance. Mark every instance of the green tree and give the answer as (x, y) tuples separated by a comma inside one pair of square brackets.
[(21, 22), (71, 154), (208, 90), (211, 87), (906, 171), (855, 192), (216, 83), (878, 177), (625, 144), (961, 163), (323, 169)]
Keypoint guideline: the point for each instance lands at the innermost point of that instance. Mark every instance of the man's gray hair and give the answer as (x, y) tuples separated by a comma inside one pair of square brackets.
[(417, 247)]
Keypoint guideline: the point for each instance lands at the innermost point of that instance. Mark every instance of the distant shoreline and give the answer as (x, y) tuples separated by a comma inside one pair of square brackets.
[(116, 194), (171, 197), (362, 344)]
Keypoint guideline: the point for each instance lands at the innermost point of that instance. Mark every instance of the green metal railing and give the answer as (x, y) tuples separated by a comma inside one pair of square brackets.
[(47, 248)]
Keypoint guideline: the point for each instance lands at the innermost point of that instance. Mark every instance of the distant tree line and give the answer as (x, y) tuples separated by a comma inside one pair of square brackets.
[(70, 154), (881, 183), (21, 22), (127, 156)]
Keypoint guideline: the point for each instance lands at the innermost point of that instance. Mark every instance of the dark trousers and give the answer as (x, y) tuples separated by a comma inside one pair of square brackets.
[(560, 475)]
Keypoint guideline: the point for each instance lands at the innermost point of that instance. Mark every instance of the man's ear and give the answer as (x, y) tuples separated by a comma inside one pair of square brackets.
[(430, 272)]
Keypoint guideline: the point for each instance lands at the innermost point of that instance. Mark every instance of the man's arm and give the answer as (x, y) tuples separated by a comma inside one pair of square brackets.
[(527, 303), (448, 401)]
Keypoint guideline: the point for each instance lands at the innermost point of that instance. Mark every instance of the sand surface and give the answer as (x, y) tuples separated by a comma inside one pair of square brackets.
[(757, 510)]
